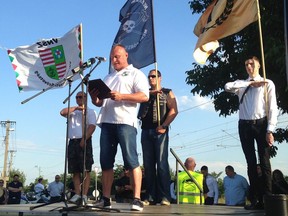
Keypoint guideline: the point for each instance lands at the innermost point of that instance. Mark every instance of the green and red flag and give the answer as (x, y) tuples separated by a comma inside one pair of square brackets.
[(47, 62)]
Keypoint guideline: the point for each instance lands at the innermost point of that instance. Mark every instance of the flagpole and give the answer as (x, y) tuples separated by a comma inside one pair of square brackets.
[(81, 44), (156, 66), (285, 37), (261, 40), (84, 111), (262, 57), (152, 14), (82, 83)]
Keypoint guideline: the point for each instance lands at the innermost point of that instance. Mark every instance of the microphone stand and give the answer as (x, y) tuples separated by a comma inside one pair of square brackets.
[(80, 205), (76, 207), (69, 79), (46, 89)]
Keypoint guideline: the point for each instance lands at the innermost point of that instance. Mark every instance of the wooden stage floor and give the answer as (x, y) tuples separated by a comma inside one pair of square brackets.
[(174, 209)]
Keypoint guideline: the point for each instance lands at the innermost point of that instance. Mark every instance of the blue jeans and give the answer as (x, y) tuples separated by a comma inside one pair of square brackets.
[(111, 135), (155, 154)]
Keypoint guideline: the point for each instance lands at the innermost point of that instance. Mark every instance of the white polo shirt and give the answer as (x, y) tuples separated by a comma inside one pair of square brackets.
[(127, 81)]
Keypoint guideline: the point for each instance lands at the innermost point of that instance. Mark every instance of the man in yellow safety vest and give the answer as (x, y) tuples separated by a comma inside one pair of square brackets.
[(188, 190)]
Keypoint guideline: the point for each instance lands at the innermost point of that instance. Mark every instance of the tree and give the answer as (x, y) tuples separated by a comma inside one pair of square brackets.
[(226, 63)]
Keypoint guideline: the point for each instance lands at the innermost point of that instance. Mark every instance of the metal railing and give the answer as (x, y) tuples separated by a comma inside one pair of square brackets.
[(178, 161)]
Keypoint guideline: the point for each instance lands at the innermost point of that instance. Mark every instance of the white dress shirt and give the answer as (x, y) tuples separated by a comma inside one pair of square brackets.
[(213, 188), (254, 103)]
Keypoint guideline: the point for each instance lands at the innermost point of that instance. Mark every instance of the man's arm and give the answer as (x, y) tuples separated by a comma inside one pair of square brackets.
[(216, 191), (15, 189), (173, 109), (64, 112), (233, 87), (90, 130), (272, 110)]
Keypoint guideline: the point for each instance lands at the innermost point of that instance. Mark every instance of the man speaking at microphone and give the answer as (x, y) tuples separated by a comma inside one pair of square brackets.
[(118, 122)]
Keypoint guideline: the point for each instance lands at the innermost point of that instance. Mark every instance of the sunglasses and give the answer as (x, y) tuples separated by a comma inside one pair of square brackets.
[(79, 97), (151, 76)]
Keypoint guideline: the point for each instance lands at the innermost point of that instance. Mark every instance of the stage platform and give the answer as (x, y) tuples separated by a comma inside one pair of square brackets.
[(173, 209)]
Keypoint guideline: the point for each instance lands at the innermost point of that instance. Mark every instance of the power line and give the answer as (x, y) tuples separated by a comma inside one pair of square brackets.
[(195, 106)]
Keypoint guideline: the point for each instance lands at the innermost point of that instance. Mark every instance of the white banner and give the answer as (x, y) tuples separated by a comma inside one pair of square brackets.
[(47, 62)]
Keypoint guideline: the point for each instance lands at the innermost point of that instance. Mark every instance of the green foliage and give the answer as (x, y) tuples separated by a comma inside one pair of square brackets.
[(118, 170), (227, 62), (220, 187)]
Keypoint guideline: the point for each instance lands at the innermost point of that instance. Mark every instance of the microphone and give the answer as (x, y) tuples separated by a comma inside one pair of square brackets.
[(88, 64), (84, 66), (101, 58)]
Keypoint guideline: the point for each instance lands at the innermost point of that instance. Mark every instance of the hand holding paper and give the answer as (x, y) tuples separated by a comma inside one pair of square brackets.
[(97, 88)]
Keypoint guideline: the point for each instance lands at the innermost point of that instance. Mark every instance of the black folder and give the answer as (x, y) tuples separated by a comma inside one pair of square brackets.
[(99, 85)]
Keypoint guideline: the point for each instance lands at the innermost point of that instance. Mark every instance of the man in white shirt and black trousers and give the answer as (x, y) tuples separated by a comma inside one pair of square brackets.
[(257, 121), (213, 191)]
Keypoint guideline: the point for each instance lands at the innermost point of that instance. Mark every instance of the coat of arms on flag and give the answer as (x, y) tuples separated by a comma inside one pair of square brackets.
[(54, 63), (47, 62)]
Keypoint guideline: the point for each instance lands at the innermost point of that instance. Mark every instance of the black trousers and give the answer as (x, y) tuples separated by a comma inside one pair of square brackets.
[(250, 131)]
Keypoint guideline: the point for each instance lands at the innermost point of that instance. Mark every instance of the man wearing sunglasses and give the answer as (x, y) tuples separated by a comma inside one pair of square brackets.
[(77, 145), (154, 139)]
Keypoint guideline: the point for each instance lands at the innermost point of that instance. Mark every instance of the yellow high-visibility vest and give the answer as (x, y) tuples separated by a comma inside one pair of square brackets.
[(188, 190)]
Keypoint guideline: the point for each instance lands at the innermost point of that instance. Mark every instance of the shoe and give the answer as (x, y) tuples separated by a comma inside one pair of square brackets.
[(137, 205), (255, 206), (103, 203), (75, 199), (147, 202), (165, 202), (84, 199)]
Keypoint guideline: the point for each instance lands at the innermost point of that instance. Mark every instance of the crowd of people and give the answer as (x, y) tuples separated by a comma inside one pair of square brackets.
[(118, 120), (201, 188), (14, 193)]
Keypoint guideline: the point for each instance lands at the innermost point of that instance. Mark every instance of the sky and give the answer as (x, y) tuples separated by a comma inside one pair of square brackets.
[(38, 138)]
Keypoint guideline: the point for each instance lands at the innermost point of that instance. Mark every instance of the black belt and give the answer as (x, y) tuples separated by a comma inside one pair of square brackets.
[(253, 122)]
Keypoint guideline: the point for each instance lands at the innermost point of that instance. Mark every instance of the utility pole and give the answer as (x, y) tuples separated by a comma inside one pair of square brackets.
[(6, 124), (11, 160), (39, 170)]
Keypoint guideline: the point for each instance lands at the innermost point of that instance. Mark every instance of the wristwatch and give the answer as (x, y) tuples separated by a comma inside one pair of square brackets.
[(164, 127)]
